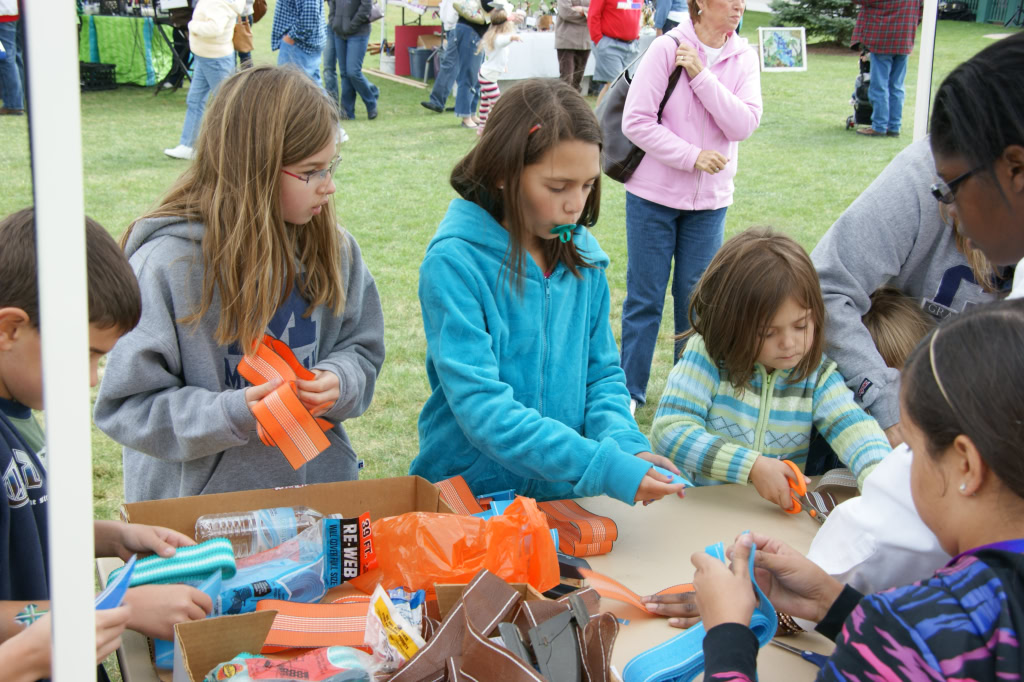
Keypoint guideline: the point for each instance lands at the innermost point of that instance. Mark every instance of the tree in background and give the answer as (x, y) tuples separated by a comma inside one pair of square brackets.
[(829, 19)]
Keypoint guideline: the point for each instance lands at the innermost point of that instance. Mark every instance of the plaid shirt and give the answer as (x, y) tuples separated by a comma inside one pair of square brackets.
[(303, 20), (887, 26)]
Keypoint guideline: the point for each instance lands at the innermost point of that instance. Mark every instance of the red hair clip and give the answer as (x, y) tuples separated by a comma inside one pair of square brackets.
[(533, 129)]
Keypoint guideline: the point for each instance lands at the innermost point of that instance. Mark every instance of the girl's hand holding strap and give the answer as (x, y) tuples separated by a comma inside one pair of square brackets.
[(724, 593), (793, 583), (324, 390), (655, 486)]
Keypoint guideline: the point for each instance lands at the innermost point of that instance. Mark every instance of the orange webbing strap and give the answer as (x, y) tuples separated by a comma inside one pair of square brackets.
[(580, 533), (457, 495), (305, 626), (284, 421), (609, 588)]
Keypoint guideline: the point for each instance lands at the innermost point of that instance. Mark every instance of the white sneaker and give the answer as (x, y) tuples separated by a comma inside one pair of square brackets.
[(632, 407), (181, 152)]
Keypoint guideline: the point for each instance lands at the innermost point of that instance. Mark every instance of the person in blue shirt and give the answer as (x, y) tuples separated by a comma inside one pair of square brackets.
[(299, 33), (526, 388), (115, 306), (668, 14)]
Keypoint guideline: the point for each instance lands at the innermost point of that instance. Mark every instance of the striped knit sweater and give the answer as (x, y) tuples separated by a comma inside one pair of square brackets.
[(716, 432)]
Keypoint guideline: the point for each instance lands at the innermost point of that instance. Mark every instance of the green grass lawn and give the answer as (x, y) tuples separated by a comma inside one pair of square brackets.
[(797, 173)]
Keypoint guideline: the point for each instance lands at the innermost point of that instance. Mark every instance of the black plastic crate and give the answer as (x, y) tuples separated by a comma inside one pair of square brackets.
[(97, 76)]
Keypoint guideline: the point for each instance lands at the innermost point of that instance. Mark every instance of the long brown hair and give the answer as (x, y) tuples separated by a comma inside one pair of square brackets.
[(747, 281), (260, 120), (528, 120)]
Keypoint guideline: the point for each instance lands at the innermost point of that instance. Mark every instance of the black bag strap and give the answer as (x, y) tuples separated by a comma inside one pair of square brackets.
[(672, 80)]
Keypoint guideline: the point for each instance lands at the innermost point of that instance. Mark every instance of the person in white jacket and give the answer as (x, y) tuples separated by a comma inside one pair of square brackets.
[(495, 46), (209, 37)]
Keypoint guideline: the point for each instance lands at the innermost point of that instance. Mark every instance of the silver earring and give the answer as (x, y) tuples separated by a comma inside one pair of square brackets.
[(963, 487)]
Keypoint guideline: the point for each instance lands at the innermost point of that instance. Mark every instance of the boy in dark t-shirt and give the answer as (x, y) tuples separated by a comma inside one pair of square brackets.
[(114, 309)]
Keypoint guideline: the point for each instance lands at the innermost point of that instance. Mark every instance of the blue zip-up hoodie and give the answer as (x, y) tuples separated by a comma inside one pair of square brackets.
[(526, 392)]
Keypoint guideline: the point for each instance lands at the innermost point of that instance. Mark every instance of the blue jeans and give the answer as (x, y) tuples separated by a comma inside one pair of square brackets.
[(11, 90), (350, 53), (207, 73), (468, 96), (308, 63), (446, 74), (330, 64), (886, 91), (655, 235)]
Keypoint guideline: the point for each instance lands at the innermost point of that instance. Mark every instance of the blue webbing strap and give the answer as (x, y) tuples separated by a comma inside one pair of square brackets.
[(681, 658)]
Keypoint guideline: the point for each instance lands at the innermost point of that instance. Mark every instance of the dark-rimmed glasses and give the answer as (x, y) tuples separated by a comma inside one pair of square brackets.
[(319, 176), (945, 192)]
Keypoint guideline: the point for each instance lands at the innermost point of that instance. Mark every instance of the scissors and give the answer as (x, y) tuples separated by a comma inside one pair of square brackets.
[(817, 659), (798, 490)]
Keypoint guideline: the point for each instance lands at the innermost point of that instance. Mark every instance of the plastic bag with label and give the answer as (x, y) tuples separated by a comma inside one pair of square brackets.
[(418, 549)]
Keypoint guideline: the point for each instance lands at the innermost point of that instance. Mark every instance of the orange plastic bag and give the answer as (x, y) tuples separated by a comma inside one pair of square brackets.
[(419, 549)]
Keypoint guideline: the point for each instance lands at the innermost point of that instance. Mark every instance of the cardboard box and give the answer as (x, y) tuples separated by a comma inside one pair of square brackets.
[(448, 595), (381, 497), (217, 638), (202, 644), (429, 41)]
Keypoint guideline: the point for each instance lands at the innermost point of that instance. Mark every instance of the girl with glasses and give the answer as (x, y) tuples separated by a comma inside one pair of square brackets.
[(245, 244)]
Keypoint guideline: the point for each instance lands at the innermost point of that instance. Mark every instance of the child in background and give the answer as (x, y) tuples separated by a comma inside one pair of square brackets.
[(210, 36), (962, 410), (244, 244), (896, 323), (526, 388), (752, 379), (114, 308), (495, 46)]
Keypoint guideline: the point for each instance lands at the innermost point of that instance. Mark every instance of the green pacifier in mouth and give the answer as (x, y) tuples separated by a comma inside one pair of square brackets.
[(564, 232)]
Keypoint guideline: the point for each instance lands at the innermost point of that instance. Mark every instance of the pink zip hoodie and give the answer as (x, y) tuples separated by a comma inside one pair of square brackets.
[(715, 110)]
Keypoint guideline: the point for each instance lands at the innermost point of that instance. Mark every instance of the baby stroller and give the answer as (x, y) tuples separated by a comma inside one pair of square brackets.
[(861, 104)]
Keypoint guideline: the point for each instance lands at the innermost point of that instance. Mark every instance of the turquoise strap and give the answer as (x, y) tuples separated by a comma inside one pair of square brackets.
[(681, 658), (189, 564)]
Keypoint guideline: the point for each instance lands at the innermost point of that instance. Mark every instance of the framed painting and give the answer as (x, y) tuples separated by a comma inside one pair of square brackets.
[(782, 48)]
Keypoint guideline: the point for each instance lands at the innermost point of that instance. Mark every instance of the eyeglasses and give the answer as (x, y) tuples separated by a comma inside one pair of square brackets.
[(945, 192), (319, 176)]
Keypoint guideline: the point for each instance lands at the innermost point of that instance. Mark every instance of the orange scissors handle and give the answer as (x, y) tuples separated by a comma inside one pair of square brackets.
[(798, 488)]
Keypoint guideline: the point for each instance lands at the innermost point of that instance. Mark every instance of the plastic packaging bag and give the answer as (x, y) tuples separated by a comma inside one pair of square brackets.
[(393, 639), (303, 568), (419, 549), (329, 664)]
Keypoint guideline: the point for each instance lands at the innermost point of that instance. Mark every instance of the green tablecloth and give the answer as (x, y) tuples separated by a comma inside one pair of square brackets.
[(131, 43)]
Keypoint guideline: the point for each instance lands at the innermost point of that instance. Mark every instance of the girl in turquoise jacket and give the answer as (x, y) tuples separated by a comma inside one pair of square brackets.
[(526, 388)]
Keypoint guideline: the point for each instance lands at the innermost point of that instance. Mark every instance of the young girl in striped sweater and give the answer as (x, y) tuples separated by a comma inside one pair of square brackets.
[(752, 380)]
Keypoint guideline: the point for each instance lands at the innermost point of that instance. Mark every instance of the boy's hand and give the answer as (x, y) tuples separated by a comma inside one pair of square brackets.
[(771, 479), (156, 608), (680, 607), (655, 486), (724, 593), (323, 390), (110, 625), (114, 538)]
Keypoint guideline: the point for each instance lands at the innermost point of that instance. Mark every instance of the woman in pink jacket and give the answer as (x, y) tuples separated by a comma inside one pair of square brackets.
[(677, 198)]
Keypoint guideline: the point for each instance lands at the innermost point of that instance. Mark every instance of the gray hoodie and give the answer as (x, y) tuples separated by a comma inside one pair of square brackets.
[(892, 234), (175, 400)]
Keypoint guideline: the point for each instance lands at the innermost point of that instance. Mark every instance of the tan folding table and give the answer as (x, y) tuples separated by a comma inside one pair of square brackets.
[(652, 552)]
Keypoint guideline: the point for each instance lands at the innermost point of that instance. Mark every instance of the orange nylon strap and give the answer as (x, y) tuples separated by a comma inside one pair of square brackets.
[(580, 533), (610, 588), (457, 495), (284, 421), (303, 626)]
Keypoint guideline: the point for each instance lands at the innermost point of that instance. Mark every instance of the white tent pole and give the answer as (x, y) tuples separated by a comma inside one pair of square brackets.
[(51, 62), (923, 103)]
